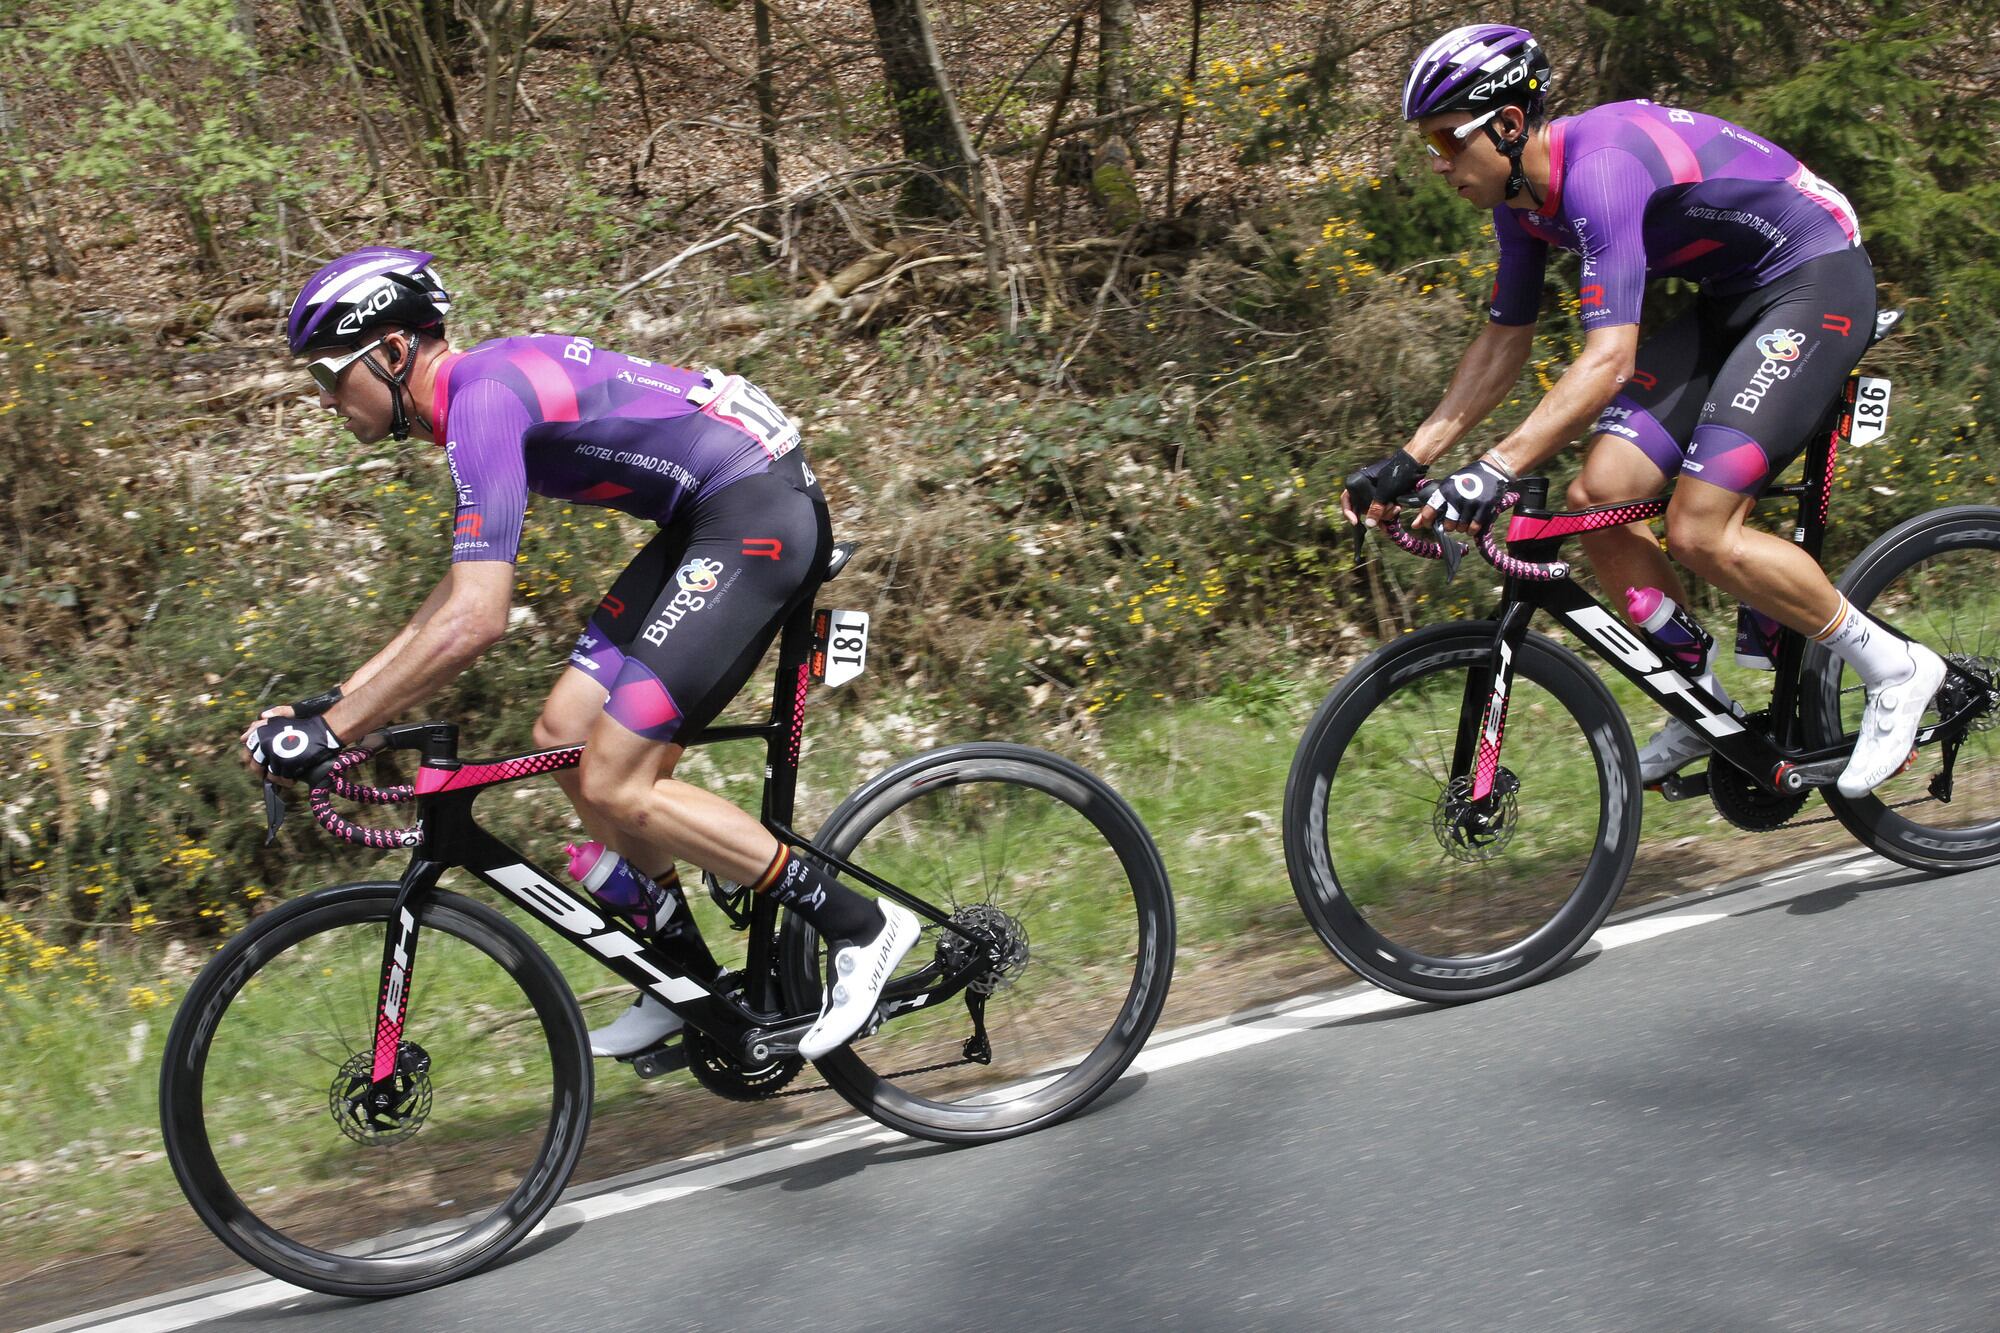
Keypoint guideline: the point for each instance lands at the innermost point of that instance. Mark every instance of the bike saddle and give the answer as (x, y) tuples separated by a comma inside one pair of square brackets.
[(1885, 321), (842, 553)]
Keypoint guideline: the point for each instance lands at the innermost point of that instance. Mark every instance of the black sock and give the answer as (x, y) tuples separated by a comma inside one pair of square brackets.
[(829, 907)]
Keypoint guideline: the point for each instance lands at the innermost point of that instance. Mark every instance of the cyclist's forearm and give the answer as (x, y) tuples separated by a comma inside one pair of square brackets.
[(1490, 367), (1565, 412), (434, 657), (404, 637)]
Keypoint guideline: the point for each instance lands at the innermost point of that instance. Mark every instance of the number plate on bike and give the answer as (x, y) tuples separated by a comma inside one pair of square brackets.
[(840, 646), (1871, 410)]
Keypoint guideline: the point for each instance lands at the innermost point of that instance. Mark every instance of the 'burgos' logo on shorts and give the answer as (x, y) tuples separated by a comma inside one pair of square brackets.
[(698, 575), (1780, 347)]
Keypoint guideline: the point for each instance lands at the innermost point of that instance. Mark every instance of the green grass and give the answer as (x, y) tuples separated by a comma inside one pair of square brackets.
[(87, 1022)]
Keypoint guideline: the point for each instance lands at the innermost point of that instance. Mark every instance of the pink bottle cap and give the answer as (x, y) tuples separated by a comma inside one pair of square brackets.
[(583, 857), (1640, 603)]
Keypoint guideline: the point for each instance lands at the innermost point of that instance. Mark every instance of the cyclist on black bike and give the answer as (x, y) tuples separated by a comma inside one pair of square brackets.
[(743, 540), (1723, 397)]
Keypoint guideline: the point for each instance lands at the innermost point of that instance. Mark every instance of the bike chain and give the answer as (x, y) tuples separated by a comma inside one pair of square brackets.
[(1828, 819), (901, 1073)]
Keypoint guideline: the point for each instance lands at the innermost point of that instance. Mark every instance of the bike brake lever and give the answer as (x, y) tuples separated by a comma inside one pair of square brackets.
[(274, 812), (1360, 537), (1454, 551)]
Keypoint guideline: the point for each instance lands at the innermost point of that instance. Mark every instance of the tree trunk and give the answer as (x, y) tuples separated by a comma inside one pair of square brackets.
[(1114, 165), (767, 118), (902, 31)]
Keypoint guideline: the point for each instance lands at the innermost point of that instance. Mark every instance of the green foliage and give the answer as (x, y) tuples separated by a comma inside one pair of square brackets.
[(1912, 154)]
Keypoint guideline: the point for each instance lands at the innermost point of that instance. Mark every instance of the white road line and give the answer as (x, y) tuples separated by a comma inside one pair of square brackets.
[(1167, 1050)]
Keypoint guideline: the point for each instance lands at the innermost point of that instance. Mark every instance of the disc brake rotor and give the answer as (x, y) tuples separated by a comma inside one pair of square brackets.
[(379, 1119), (1474, 831), (1000, 954)]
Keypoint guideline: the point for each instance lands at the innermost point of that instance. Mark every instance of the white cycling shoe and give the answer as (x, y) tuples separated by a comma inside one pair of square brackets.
[(647, 1023), (860, 971), (1889, 724), (1672, 748)]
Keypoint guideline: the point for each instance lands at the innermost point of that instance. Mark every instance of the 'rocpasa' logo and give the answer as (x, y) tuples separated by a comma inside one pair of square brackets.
[(1780, 348)]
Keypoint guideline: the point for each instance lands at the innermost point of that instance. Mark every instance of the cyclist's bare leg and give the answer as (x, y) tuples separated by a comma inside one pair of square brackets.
[(1707, 533), (576, 702), (627, 782), (1615, 471)]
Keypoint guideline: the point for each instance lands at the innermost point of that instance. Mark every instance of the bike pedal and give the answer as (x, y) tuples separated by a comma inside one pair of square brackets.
[(1676, 787), (665, 1058)]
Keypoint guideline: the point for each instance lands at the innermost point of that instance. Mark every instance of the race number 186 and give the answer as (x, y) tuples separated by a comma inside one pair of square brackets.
[(1871, 409)]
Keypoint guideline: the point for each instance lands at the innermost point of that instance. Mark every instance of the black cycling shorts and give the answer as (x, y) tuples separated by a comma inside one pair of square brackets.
[(687, 622), (1730, 392)]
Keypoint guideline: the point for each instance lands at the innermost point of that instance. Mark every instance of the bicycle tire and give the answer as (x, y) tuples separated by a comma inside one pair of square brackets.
[(1407, 894), (470, 1243), (1100, 837), (1932, 577)]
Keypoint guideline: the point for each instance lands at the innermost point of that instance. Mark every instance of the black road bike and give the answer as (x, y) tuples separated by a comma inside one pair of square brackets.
[(1444, 867), (380, 1087)]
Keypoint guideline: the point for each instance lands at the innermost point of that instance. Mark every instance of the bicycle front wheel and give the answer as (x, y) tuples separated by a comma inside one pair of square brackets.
[(273, 1047), (1029, 850), (1411, 883), (1935, 578)]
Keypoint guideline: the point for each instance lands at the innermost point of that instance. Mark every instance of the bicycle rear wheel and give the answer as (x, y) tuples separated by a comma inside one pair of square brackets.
[(1410, 883), (1028, 849), (276, 1036), (1935, 578)]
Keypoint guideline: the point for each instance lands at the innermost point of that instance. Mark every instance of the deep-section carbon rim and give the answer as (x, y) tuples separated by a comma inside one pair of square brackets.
[(251, 1084), (1046, 857), (1935, 578), (1413, 888)]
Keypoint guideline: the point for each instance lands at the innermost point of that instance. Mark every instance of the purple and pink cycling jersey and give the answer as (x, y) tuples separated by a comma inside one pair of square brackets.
[(1646, 191), (566, 419)]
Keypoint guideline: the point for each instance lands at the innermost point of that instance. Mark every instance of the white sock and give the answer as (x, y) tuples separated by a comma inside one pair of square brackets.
[(1877, 656)]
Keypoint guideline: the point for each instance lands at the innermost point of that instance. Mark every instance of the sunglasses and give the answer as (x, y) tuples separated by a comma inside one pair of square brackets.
[(325, 372), (1451, 142)]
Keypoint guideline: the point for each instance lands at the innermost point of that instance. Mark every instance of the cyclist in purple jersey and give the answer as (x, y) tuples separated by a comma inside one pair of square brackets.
[(1722, 398), (743, 541)]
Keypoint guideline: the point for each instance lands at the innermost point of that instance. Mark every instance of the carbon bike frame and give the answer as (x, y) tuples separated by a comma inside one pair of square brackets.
[(754, 1027), (1767, 746)]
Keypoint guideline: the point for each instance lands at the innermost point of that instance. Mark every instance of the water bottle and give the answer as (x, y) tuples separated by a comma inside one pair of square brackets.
[(616, 883), (1672, 631), (1756, 639)]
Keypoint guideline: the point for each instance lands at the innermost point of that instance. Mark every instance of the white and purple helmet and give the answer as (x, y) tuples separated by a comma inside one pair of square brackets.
[(379, 285), (1476, 68)]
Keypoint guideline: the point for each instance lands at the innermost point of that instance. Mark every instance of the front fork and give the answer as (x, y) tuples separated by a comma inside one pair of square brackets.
[(399, 956), (1482, 714)]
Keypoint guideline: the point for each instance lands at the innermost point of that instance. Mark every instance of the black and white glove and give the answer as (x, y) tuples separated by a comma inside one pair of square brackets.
[(1382, 482), (291, 747), (1470, 495)]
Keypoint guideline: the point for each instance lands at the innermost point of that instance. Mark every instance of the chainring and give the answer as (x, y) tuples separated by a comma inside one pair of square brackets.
[(402, 1117), (718, 1070), (1475, 831), (1748, 806)]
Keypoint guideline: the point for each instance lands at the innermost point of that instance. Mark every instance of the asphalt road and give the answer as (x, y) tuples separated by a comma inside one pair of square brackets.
[(1770, 1108)]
